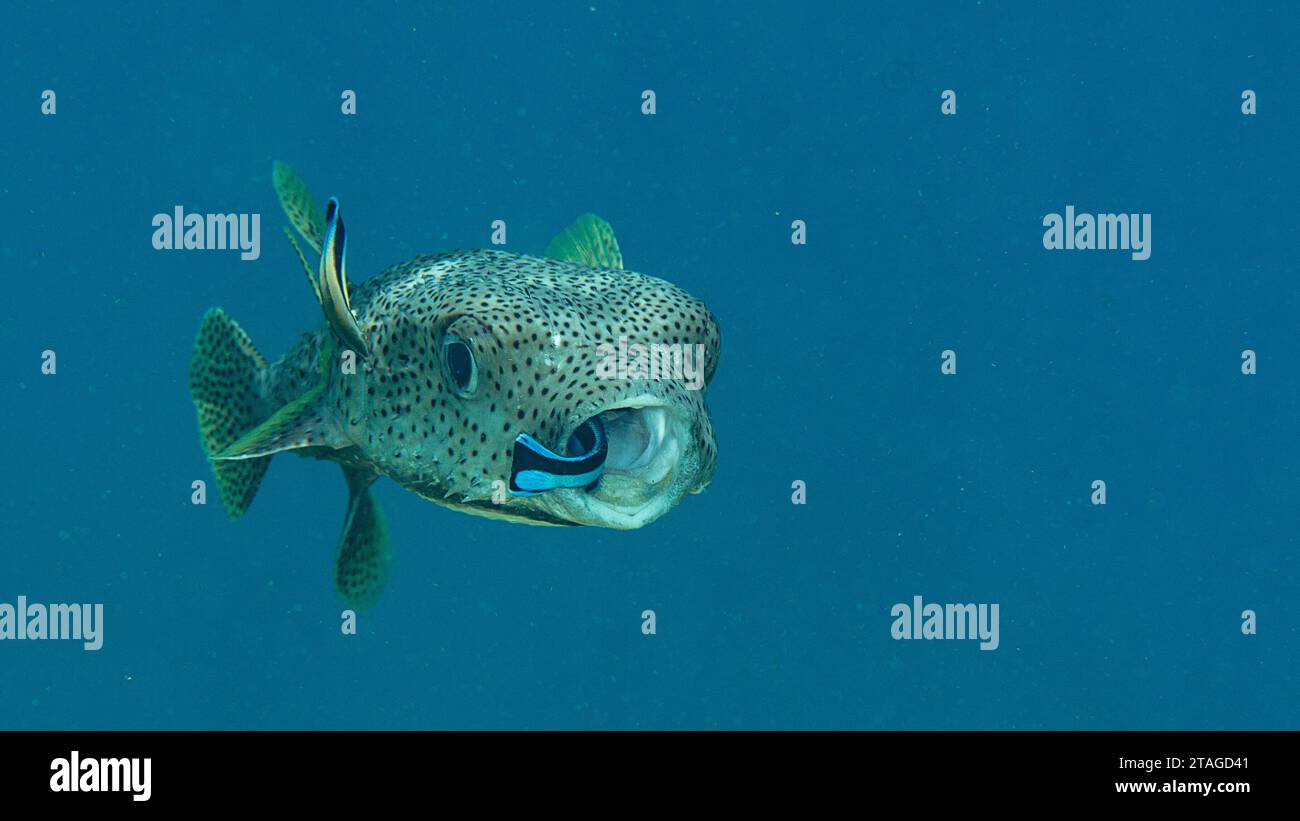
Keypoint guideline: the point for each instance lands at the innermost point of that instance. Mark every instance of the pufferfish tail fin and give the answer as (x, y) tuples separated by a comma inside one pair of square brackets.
[(228, 385), (589, 241), (242, 423)]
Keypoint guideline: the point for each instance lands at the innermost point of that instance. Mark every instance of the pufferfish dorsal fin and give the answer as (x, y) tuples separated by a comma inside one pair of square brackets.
[(332, 282), (589, 241), (299, 205), (306, 266)]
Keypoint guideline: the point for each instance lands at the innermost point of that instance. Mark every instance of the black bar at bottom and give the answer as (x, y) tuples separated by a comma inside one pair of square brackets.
[(333, 770)]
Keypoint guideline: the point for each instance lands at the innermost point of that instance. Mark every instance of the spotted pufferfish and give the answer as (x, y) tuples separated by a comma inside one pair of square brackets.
[(477, 379)]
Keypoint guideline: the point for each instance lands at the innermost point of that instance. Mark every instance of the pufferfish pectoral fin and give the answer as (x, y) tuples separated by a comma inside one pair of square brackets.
[(365, 555), (589, 241), (302, 423)]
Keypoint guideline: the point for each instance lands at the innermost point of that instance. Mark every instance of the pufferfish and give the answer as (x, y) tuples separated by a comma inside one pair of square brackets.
[(504, 385)]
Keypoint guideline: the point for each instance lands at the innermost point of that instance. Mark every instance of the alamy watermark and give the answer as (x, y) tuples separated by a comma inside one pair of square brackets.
[(77, 774), (75, 622), (657, 361), (946, 621), (204, 232), (1101, 232)]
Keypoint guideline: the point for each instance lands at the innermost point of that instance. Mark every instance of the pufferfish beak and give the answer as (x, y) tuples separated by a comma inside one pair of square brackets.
[(537, 469)]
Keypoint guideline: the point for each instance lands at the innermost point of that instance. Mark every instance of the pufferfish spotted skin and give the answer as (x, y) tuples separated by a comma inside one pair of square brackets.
[(561, 391)]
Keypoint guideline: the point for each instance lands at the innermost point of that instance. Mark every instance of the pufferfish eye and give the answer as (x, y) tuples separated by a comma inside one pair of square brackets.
[(462, 370)]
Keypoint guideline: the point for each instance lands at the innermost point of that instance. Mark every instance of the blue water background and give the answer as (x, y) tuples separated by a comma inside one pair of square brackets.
[(923, 234)]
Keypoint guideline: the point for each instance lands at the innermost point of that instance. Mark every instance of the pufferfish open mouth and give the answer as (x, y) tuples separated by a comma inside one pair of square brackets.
[(616, 469), (642, 443)]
